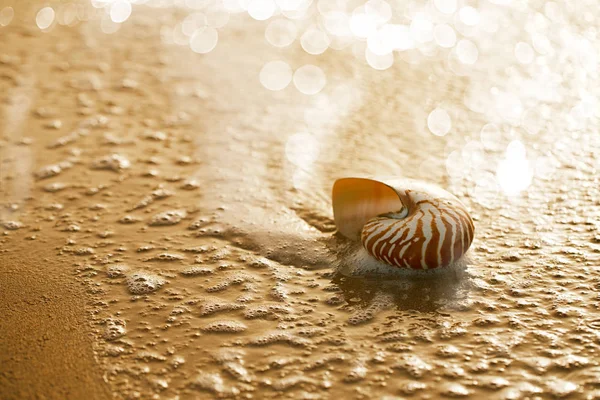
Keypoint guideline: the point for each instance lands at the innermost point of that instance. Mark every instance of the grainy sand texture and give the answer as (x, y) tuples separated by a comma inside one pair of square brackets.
[(166, 168)]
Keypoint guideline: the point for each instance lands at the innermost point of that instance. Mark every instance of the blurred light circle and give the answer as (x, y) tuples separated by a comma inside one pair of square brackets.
[(467, 52), (421, 28), (179, 37), (532, 121), (524, 53), (381, 42), (276, 75), (327, 6), (193, 22), (541, 43), (261, 9), (469, 16), (290, 5), (233, 6), (490, 136), (337, 23), (309, 79), (399, 36), (281, 32), (445, 6), (379, 10), (516, 150), (67, 15), (514, 173), (379, 61), (340, 42), (362, 24), (304, 11), (439, 122), (204, 40), (444, 36), (45, 17), (6, 16), (120, 11), (473, 155), (314, 41)]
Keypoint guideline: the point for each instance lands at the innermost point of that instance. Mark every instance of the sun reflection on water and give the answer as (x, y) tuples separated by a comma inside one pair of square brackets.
[(462, 38), (514, 172)]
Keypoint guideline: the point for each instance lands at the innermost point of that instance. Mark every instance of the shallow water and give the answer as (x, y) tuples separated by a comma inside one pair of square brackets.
[(193, 203)]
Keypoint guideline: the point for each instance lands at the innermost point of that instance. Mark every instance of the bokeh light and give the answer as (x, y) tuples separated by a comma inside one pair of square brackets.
[(445, 6), (204, 40), (261, 9), (120, 11), (314, 41), (467, 51), (281, 32), (439, 122), (45, 18), (276, 75), (309, 79), (514, 173), (444, 35), (6, 15)]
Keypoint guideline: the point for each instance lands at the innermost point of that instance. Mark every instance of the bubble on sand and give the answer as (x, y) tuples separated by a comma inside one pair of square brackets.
[(112, 162), (213, 382), (129, 219), (158, 136), (142, 282), (150, 356), (116, 271), (52, 170), (166, 257), (166, 218), (215, 306), (196, 271), (12, 225), (414, 366), (266, 311), (227, 326), (279, 337), (454, 390), (115, 328), (55, 187), (190, 184)]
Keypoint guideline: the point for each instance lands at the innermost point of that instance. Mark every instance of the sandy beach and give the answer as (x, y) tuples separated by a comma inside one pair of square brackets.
[(165, 191)]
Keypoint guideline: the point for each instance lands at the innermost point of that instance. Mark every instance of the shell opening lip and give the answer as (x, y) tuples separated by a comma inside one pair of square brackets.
[(400, 214), (357, 200)]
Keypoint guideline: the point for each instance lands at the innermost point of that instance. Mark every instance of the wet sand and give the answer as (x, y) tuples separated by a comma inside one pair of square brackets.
[(46, 348), (164, 237)]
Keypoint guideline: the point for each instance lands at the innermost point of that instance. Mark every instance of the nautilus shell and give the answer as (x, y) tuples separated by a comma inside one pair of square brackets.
[(403, 222)]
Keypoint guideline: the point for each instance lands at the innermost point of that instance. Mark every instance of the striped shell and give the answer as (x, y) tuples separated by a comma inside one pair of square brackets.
[(402, 222)]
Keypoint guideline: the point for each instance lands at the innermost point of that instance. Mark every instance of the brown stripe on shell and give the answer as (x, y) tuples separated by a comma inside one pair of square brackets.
[(378, 236)]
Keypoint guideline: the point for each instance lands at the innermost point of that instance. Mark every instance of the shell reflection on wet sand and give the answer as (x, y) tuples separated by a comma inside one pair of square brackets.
[(177, 157)]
